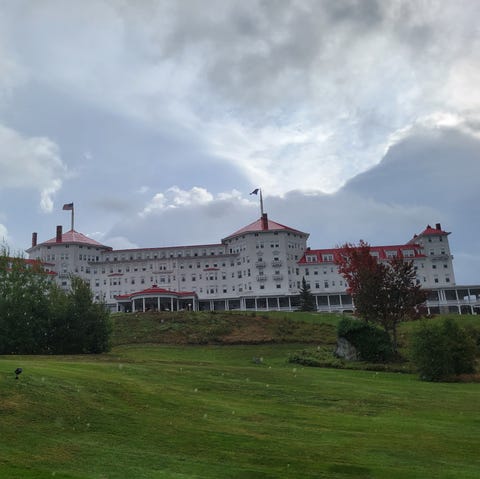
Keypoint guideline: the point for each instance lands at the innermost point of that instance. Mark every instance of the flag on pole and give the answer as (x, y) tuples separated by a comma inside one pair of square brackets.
[(68, 207), (255, 191)]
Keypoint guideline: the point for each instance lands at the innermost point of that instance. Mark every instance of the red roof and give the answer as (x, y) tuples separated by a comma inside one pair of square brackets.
[(74, 237), (433, 231), (154, 290), (380, 250), (429, 231), (259, 226)]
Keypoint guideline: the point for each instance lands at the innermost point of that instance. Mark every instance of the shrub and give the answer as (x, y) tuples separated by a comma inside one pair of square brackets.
[(372, 343), (442, 350)]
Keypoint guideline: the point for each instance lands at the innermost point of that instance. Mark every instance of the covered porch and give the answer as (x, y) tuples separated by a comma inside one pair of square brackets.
[(157, 299)]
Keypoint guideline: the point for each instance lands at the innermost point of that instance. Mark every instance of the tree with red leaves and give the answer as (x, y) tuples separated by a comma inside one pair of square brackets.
[(385, 293)]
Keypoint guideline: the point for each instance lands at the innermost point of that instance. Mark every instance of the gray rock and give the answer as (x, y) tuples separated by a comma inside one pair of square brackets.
[(346, 350)]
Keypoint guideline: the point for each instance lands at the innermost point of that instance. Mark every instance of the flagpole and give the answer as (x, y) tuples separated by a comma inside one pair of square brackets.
[(255, 192), (261, 202), (70, 207)]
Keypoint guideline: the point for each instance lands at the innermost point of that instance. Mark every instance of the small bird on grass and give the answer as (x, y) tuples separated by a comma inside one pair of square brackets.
[(18, 371)]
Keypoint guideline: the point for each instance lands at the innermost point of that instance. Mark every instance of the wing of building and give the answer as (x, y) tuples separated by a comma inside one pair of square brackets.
[(258, 267)]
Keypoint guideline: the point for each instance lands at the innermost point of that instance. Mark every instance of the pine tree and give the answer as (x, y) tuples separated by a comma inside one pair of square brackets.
[(307, 300)]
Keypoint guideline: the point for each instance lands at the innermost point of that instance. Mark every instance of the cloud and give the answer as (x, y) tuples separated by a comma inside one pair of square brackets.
[(12, 74), (323, 86), (429, 176), (31, 163), (375, 103), (118, 242), (175, 197)]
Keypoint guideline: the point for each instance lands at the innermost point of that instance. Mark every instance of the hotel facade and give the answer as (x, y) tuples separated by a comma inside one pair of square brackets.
[(257, 268)]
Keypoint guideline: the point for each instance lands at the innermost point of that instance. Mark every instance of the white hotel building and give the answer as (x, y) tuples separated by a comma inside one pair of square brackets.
[(258, 267)]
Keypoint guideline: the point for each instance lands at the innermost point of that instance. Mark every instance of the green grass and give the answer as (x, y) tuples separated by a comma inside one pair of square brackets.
[(207, 410), (211, 412)]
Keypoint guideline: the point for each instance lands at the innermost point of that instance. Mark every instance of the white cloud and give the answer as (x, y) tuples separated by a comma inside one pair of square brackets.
[(175, 197), (30, 163)]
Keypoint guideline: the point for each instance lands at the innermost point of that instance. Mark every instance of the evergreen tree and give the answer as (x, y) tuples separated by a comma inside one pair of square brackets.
[(307, 300), (80, 325)]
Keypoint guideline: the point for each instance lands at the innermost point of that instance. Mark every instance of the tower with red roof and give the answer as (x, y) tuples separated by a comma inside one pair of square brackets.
[(69, 253)]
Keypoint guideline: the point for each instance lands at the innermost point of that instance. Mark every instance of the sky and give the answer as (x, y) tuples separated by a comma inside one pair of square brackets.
[(358, 119)]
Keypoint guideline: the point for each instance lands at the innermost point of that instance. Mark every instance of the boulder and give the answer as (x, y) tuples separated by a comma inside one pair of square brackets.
[(346, 350)]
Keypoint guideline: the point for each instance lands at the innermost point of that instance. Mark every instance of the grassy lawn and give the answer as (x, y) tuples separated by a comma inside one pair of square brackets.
[(159, 411)]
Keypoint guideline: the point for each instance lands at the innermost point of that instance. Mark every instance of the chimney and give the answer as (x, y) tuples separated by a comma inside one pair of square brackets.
[(264, 221), (58, 239), (34, 240), (438, 226)]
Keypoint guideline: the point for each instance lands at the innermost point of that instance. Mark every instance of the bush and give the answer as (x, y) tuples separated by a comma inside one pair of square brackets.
[(440, 351), (372, 343), (78, 325)]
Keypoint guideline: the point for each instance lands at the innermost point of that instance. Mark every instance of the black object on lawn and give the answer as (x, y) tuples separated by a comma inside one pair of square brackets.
[(17, 372)]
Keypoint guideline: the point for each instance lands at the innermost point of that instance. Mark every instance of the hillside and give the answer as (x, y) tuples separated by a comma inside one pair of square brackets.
[(223, 328)]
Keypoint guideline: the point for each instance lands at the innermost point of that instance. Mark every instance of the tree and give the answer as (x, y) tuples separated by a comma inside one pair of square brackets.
[(384, 293), (307, 301), (80, 325), (441, 350), (24, 305), (38, 317)]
